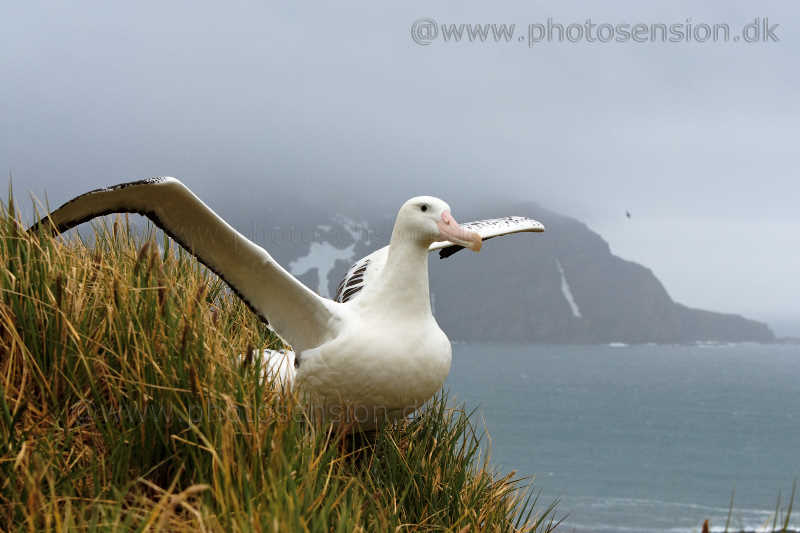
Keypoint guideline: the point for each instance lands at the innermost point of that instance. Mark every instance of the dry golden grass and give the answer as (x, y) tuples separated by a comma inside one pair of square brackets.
[(124, 405)]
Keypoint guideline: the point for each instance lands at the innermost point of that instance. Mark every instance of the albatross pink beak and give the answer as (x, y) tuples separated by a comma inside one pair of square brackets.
[(451, 231)]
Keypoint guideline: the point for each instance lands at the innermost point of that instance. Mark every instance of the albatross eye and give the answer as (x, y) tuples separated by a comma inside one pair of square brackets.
[(423, 207)]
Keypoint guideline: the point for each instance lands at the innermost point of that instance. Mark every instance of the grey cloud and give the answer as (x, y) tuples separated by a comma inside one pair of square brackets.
[(250, 103)]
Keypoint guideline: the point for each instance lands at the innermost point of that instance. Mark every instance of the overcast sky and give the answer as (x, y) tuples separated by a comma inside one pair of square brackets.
[(699, 141)]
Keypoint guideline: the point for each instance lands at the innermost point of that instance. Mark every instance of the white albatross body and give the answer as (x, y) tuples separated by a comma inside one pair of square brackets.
[(391, 354), (374, 352)]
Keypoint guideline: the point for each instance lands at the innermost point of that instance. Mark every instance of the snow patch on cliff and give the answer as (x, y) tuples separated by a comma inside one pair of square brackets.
[(323, 256), (567, 292)]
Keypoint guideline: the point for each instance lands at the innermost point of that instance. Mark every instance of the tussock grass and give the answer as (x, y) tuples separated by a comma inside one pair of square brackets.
[(124, 405)]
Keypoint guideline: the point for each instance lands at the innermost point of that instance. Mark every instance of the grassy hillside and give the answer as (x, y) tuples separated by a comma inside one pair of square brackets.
[(124, 405)]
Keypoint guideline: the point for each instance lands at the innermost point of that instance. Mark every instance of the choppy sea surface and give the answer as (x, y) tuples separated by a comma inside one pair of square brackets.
[(641, 438)]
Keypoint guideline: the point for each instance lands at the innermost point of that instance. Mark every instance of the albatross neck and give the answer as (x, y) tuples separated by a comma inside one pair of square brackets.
[(404, 280)]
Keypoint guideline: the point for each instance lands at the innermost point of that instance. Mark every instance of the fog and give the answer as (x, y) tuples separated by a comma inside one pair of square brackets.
[(251, 103)]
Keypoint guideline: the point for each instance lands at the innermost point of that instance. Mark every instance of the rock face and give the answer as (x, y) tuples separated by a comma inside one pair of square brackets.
[(562, 286), (565, 286)]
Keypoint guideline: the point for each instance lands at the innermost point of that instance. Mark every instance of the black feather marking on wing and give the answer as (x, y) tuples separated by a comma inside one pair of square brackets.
[(69, 224), (339, 289), (352, 291), (352, 283), (444, 253), (478, 225)]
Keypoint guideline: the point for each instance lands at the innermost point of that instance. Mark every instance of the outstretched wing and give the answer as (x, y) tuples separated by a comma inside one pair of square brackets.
[(368, 267), (296, 313), (488, 229)]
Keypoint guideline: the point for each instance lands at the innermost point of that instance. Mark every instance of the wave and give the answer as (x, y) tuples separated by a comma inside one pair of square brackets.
[(645, 514)]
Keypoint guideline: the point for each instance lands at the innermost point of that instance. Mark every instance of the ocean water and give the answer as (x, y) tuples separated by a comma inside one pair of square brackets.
[(641, 438)]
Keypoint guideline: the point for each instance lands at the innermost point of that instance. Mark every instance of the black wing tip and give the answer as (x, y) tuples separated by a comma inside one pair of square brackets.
[(446, 252), (145, 181), (62, 227), (65, 226), (36, 227)]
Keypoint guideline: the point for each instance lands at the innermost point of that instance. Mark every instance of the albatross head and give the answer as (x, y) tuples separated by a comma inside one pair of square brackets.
[(428, 219)]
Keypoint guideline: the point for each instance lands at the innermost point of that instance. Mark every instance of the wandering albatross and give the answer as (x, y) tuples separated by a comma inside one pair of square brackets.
[(375, 351)]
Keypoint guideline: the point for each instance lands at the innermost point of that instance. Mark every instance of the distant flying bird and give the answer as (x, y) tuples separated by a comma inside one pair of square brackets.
[(376, 349), (628, 214)]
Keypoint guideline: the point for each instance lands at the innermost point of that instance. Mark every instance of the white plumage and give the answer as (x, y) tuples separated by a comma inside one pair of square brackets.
[(375, 351)]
